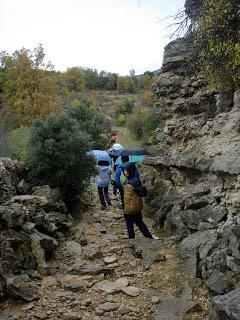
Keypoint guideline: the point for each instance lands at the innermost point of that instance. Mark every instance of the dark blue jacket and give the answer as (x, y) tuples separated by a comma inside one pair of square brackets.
[(133, 177)]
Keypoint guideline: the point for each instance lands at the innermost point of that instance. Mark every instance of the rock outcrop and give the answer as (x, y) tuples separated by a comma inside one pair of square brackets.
[(195, 193), (30, 227)]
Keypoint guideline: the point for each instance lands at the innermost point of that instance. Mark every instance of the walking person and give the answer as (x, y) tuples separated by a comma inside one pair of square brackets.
[(133, 202), (120, 178), (103, 181)]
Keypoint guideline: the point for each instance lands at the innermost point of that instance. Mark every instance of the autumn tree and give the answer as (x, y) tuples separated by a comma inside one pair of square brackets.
[(125, 84), (27, 87), (74, 78)]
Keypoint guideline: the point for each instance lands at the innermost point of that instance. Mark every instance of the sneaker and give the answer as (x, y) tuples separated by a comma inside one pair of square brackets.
[(154, 237), (103, 208)]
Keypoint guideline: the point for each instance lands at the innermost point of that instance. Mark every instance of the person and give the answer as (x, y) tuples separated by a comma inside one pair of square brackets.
[(103, 181), (133, 202), (120, 174)]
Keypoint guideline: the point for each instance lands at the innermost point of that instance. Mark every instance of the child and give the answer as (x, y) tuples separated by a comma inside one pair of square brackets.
[(103, 181), (133, 203)]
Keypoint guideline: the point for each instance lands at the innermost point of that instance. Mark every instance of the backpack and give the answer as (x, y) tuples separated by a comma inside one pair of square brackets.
[(132, 201), (123, 179), (141, 191)]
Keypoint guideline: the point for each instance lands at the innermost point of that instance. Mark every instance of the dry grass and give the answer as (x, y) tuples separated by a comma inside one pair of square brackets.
[(125, 138)]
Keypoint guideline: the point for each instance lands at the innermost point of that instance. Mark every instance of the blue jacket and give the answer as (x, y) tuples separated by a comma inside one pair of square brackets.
[(120, 169), (104, 176)]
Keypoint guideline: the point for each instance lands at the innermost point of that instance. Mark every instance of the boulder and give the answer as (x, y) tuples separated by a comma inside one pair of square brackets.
[(52, 195), (13, 216), (175, 309), (227, 306), (212, 215), (24, 187), (21, 289), (10, 173), (112, 287), (43, 246), (148, 250), (17, 252)]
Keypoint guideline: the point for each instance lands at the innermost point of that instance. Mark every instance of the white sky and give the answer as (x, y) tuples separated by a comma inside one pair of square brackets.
[(111, 35)]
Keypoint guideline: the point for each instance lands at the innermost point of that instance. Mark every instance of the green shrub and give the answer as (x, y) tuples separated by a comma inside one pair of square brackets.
[(92, 123), (75, 103), (136, 121), (19, 141), (124, 106), (121, 120), (142, 123), (151, 123), (57, 155)]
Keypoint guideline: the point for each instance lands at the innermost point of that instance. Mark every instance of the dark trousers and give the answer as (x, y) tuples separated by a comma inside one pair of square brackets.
[(103, 196), (120, 189), (130, 219)]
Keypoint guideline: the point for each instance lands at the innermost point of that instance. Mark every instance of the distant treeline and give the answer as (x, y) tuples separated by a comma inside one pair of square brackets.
[(31, 88)]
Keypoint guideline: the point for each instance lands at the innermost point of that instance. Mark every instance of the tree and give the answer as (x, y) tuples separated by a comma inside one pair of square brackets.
[(75, 79), (147, 99), (91, 78), (107, 80), (126, 84), (28, 88), (57, 155), (146, 81)]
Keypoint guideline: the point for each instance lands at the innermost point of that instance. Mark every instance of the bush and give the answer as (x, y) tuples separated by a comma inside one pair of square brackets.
[(136, 121), (151, 122), (75, 103), (142, 123), (19, 142), (217, 39), (147, 99), (57, 155), (124, 106), (121, 120), (92, 123)]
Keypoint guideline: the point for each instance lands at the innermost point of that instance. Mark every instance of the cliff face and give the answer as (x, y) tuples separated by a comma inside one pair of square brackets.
[(197, 158), (32, 220)]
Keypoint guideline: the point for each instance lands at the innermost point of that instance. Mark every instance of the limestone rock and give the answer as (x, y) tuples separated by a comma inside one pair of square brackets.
[(112, 287), (24, 187), (132, 291), (227, 306), (17, 252), (175, 309), (71, 316), (108, 306), (91, 269), (148, 250), (10, 173), (20, 289), (110, 259)]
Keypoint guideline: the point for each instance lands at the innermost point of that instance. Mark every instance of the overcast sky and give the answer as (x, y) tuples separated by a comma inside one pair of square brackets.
[(111, 35)]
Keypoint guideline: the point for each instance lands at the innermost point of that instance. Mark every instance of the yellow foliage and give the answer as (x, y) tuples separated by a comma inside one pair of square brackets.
[(28, 86), (125, 84), (147, 98)]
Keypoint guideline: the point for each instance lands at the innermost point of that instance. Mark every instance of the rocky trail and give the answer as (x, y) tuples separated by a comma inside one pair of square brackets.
[(98, 274)]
